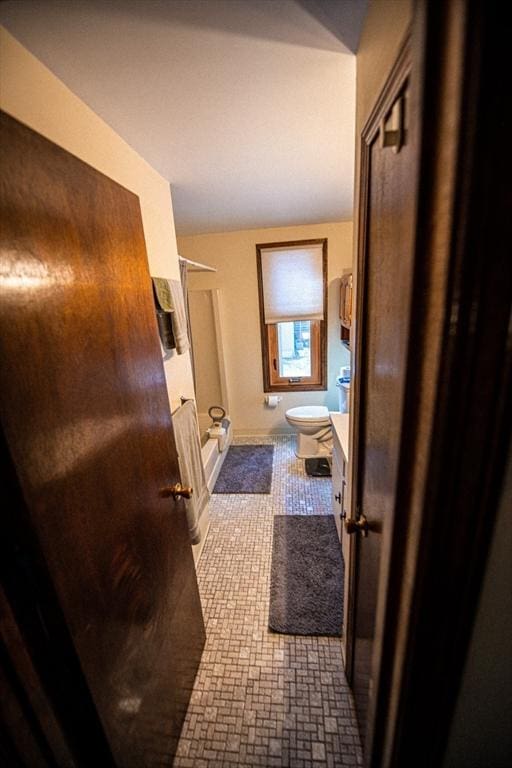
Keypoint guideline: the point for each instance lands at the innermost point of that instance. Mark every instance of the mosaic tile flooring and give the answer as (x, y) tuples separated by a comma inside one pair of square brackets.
[(263, 699)]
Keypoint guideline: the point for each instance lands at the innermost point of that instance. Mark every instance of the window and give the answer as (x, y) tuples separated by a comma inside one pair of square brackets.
[(292, 281)]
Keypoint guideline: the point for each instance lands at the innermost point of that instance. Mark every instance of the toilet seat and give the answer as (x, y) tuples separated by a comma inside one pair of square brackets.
[(308, 414)]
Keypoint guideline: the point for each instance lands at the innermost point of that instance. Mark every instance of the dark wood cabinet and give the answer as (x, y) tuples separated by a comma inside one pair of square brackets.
[(346, 306)]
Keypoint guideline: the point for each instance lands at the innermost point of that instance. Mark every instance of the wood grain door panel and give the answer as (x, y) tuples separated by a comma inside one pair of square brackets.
[(85, 412), (386, 265)]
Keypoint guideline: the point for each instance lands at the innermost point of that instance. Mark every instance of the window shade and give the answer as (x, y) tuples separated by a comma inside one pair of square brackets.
[(293, 285)]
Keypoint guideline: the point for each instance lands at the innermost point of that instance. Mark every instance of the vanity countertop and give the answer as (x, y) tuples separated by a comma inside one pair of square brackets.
[(339, 423)]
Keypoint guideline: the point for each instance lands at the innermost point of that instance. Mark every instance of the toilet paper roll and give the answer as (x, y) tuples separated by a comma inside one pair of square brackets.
[(272, 401)]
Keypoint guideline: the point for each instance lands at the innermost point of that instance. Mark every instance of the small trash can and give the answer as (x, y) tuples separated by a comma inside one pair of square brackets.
[(344, 396)]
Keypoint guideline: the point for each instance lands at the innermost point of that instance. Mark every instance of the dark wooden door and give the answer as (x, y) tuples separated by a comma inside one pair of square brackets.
[(86, 419), (385, 280)]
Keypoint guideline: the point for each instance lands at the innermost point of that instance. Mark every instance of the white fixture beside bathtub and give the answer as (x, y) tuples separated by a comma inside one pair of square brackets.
[(314, 431), (219, 428)]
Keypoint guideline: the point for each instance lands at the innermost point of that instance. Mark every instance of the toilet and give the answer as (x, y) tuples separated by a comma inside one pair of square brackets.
[(314, 431)]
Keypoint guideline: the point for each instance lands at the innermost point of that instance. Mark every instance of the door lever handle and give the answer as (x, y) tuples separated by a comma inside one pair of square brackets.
[(176, 490), (361, 524)]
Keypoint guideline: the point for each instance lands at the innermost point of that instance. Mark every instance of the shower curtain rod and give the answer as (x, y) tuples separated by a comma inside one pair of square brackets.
[(196, 266)]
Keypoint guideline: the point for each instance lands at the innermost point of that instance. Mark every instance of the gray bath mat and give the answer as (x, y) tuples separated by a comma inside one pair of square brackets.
[(306, 579), (246, 469)]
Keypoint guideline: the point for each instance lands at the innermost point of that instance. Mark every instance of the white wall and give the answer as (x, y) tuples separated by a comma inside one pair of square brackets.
[(30, 93), (234, 256), (384, 27)]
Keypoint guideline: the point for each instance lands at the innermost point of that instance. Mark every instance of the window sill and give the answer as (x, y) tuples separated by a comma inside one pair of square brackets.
[(296, 388)]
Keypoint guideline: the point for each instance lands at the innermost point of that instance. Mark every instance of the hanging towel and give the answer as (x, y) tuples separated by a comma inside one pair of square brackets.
[(163, 293), (170, 297), (191, 465), (163, 317)]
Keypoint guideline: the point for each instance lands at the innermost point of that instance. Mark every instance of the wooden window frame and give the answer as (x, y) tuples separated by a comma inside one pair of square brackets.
[(272, 382)]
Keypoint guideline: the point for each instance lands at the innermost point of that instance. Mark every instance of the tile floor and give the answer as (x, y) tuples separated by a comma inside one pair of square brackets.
[(263, 699)]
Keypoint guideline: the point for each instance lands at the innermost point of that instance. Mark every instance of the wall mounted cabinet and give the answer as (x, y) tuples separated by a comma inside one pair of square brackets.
[(346, 306)]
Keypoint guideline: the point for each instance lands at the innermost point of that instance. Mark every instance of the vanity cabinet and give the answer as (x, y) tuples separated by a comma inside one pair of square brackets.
[(339, 469), (339, 485), (341, 500)]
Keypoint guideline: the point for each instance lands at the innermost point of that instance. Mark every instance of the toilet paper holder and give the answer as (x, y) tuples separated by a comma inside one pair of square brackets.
[(272, 401)]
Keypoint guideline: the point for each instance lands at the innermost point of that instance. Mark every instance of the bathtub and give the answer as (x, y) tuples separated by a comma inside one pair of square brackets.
[(213, 459)]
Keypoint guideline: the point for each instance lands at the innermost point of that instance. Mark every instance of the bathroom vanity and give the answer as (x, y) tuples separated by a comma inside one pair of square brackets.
[(339, 469), (341, 500)]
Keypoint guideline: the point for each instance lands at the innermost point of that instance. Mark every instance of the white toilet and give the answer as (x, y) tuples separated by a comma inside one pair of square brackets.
[(314, 431)]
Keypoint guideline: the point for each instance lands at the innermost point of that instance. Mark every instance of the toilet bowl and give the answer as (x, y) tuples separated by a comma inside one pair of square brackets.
[(314, 431)]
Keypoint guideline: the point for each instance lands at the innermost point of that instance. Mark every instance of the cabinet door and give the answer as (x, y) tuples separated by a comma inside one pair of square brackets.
[(344, 498), (337, 488), (346, 300)]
